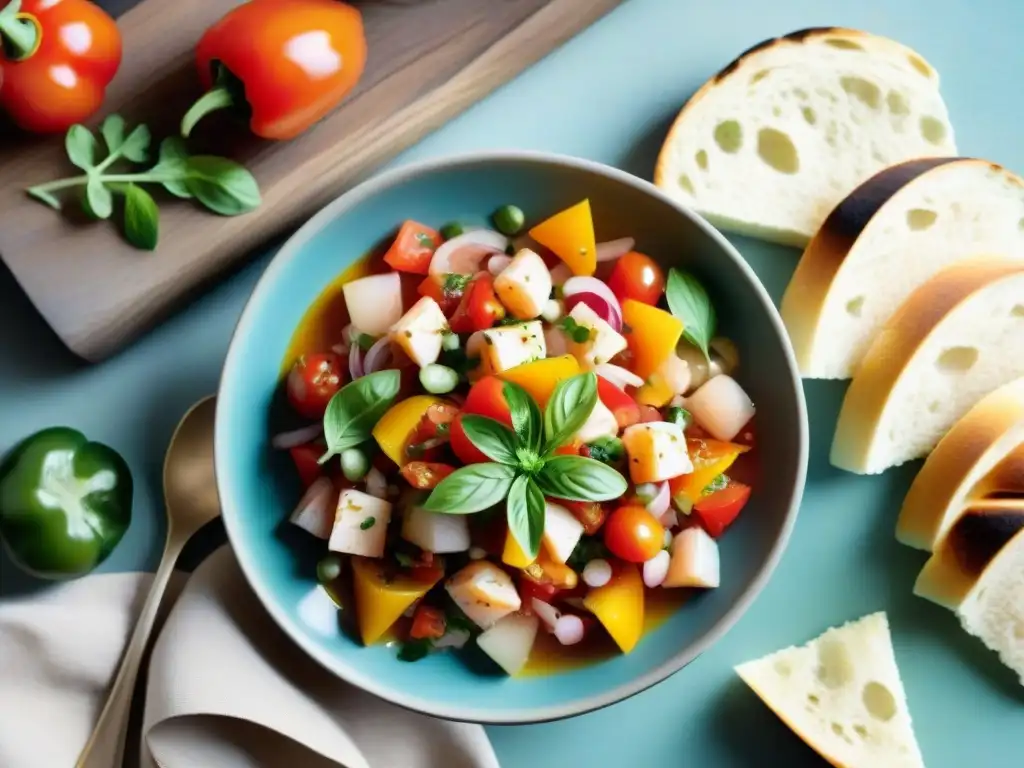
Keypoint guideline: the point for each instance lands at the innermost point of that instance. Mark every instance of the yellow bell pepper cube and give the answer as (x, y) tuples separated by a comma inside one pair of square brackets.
[(710, 459), (540, 377), (653, 335), (570, 235), (619, 606), (380, 600), (393, 431), (513, 555), (655, 392)]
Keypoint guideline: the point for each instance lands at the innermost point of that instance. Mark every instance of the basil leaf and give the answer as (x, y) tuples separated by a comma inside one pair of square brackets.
[(356, 408), (81, 147), (112, 131), (494, 439), (173, 153), (608, 450), (136, 146), (471, 489), (141, 218), (526, 514), (569, 408), (99, 201), (526, 418), (690, 303), (222, 185), (579, 479)]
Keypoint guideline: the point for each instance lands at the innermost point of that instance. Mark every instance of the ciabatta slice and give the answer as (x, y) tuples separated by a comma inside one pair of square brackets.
[(842, 694), (981, 456), (885, 239), (978, 572), (955, 339), (775, 140)]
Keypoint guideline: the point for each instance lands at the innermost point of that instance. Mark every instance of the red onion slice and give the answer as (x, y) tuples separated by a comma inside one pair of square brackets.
[(378, 356), (464, 254), (614, 249), (296, 437), (355, 362), (576, 285), (661, 501), (546, 612), (497, 263), (376, 483), (601, 307)]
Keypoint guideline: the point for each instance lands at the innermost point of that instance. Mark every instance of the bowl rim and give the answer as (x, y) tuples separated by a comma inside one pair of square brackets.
[(396, 177)]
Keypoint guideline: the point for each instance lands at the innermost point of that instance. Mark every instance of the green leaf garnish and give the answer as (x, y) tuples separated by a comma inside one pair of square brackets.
[(568, 409), (141, 218), (579, 479), (494, 439), (81, 146), (688, 301), (526, 418), (526, 514), (471, 489), (356, 408)]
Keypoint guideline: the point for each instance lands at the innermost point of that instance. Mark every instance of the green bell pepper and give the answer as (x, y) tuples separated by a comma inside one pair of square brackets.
[(65, 503)]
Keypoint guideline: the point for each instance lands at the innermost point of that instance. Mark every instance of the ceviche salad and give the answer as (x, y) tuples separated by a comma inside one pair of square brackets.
[(517, 438)]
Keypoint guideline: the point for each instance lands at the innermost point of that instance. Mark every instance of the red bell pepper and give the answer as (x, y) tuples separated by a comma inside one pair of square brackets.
[(282, 65), (717, 511), (56, 60)]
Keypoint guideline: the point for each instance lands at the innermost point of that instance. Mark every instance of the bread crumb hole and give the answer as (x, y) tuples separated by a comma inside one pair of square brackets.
[(685, 183), (1017, 311), (835, 667), (759, 76), (1020, 223), (778, 150), (800, 93), (783, 668), (1018, 630), (702, 159), (810, 115), (932, 129), (860, 730), (920, 65), (777, 111), (846, 45), (897, 103), (879, 701), (729, 136), (862, 89), (957, 359), (837, 729), (855, 306), (813, 699), (920, 218), (933, 407)]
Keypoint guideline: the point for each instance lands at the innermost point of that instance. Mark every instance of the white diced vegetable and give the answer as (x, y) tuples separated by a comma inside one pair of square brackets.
[(600, 423), (314, 510), (562, 531), (546, 612), (569, 630), (420, 332), (721, 407), (484, 592), (597, 572), (436, 532), (694, 561), (656, 569), (360, 524), (510, 641), (524, 286), (375, 302), (513, 345), (657, 451), (604, 343)]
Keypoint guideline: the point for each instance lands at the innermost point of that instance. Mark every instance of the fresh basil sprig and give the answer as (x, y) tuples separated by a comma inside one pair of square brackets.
[(356, 408), (688, 301), (221, 185), (524, 467)]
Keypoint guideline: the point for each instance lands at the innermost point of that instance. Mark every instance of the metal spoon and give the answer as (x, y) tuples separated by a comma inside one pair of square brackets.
[(190, 493)]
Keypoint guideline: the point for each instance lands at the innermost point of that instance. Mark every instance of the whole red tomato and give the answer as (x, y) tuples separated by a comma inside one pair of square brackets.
[(633, 534), (636, 276)]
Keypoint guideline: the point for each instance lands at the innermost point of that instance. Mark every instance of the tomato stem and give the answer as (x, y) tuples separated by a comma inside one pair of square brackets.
[(19, 32), (217, 98)]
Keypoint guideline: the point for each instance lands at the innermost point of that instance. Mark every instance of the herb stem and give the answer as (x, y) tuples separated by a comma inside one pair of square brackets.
[(72, 181), (113, 178)]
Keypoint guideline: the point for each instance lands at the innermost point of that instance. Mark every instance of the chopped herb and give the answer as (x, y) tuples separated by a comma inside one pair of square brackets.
[(507, 320), (718, 484), (414, 650), (405, 559), (608, 450), (365, 341), (454, 285), (680, 416), (425, 240), (368, 523)]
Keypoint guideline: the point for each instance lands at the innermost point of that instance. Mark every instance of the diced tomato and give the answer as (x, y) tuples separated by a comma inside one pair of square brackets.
[(625, 408), (529, 589), (633, 534), (717, 511), (425, 475), (427, 623), (313, 381), (413, 248), (485, 398), (590, 514), (649, 413), (307, 462), (570, 449), (637, 277), (479, 308), (447, 293), (436, 422)]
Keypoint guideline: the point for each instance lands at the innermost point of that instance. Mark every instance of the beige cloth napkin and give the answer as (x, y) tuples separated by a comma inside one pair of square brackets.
[(226, 687)]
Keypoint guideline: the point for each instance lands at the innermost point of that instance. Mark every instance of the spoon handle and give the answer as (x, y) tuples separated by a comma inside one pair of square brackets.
[(105, 748)]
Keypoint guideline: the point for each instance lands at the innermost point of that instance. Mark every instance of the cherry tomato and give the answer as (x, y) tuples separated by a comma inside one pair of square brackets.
[(485, 398), (636, 276), (425, 475), (590, 514), (479, 308), (427, 623), (717, 511), (436, 422), (307, 462), (413, 248), (625, 408), (633, 534), (313, 381)]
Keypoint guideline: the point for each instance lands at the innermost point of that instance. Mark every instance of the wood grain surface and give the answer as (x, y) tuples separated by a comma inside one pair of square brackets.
[(429, 60)]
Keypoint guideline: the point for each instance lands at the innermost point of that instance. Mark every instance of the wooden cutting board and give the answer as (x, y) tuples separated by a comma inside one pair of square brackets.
[(428, 61)]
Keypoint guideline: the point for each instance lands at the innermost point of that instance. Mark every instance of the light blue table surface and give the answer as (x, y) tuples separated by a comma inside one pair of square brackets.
[(610, 95)]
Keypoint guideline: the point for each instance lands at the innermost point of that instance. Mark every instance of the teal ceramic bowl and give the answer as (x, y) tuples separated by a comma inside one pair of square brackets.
[(258, 490)]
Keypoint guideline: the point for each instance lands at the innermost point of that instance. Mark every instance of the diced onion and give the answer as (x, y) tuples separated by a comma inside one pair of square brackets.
[(555, 341), (661, 501), (546, 612), (597, 573), (569, 629), (676, 373), (376, 483), (297, 437), (464, 254), (552, 311), (378, 357), (613, 249), (576, 285), (721, 407), (617, 375), (560, 273), (497, 263), (601, 308), (453, 638), (313, 512), (668, 519), (656, 569), (355, 362), (475, 344)]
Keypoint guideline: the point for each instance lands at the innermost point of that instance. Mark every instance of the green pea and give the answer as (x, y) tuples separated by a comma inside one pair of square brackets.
[(329, 568), (438, 379), (450, 342), (509, 220), (354, 464), (452, 230)]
